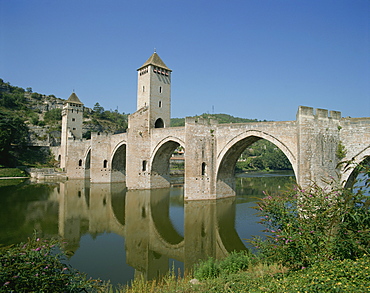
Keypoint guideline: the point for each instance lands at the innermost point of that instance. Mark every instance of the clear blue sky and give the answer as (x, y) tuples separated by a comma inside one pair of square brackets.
[(248, 58)]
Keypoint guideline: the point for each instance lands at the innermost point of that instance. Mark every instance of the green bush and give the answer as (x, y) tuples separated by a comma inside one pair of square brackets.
[(235, 262), (316, 224), (328, 276), (36, 266), (207, 269)]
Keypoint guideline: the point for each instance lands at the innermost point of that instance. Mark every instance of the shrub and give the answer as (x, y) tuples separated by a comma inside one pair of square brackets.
[(36, 266), (207, 269), (329, 276), (317, 224), (235, 262)]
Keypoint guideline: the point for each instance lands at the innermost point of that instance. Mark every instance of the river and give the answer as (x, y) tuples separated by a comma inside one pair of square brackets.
[(117, 235)]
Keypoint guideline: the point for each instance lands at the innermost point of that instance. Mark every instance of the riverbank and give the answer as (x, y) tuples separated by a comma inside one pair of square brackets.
[(326, 276), (36, 173), (12, 173)]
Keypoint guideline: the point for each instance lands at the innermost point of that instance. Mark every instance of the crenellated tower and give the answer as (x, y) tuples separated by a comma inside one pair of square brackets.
[(154, 91)]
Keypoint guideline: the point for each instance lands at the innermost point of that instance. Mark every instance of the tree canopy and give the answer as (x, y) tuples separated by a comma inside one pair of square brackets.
[(13, 131)]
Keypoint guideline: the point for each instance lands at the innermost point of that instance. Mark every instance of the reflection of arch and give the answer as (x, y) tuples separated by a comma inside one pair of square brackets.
[(159, 123), (231, 152), (226, 214), (160, 212), (88, 159), (118, 203)]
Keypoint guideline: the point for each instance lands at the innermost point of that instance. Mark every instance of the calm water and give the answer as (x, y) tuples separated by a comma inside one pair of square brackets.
[(117, 234)]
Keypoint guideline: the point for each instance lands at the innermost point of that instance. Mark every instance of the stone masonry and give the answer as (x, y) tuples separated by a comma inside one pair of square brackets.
[(141, 156)]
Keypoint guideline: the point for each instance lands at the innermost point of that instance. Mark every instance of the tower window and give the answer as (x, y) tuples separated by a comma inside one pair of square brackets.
[(143, 88), (105, 164), (73, 119), (160, 89), (160, 104), (80, 163)]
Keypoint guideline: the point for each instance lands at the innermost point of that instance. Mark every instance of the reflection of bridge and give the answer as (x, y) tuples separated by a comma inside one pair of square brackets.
[(142, 217), (141, 156)]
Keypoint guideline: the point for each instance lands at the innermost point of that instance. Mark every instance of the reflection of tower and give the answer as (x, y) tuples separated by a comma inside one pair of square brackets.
[(72, 116), (154, 91), (148, 263)]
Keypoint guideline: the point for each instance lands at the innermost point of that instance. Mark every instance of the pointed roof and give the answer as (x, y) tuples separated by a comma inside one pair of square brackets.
[(156, 61), (74, 99)]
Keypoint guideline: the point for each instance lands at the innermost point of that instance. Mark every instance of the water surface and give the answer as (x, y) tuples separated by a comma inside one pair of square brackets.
[(114, 234)]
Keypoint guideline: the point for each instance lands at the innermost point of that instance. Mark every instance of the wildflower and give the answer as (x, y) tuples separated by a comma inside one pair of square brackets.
[(38, 239), (6, 283)]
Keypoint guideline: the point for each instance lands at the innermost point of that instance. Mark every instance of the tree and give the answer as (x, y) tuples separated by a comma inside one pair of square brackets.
[(13, 131), (98, 109)]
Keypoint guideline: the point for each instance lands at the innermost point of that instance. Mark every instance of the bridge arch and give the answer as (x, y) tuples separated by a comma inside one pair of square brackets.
[(118, 162), (162, 153), (160, 161), (351, 170), (230, 153)]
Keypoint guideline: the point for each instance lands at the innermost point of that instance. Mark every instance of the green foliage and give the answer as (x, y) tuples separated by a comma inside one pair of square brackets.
[(13, 131), (37, 157), (233, 263), (328, 276), (53, 116), (111, 121), (98, 110), (207, 269), (12, 172), (341, 151), (317, 224), (262, 155), (177, 122), (221, 118), (37, 266)]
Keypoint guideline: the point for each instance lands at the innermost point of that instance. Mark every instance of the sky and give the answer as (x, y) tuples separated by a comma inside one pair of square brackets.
[(257, 59)]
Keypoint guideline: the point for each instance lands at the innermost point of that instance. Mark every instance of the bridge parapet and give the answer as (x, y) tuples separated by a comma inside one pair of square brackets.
[(318, 113), (200, 121)]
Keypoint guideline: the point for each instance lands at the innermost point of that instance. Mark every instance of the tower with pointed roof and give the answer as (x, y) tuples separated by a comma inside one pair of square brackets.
[(72, 118), (154, 91)]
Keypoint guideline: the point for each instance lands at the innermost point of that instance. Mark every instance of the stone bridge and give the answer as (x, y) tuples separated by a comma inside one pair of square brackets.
[(140, 157)]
